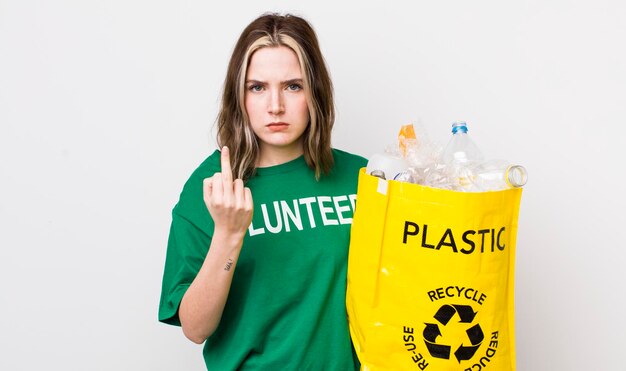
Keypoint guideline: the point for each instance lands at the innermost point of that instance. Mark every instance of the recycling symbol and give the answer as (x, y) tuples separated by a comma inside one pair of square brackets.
[(443, 316)]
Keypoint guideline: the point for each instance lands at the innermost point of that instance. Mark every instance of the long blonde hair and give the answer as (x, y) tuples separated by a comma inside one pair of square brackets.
[(233, 125)]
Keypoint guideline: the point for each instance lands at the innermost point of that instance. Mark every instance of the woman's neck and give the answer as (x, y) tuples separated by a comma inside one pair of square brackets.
[(276, 156)]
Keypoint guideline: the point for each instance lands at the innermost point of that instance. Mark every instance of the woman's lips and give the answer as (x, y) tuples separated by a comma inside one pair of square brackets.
[(277, 126)]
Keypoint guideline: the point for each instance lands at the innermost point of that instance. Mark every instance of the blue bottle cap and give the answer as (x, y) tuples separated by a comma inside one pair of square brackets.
[(459, 126)]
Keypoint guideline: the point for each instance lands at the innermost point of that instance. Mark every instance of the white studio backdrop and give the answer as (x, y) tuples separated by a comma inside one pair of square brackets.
[(107, 106)]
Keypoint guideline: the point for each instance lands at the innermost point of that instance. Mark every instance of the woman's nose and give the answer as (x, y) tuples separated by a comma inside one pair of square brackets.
[(276, 105)]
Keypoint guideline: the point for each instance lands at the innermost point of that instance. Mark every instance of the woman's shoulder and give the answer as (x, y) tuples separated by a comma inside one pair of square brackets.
[(192, 190), (208, 167), (345, 159)]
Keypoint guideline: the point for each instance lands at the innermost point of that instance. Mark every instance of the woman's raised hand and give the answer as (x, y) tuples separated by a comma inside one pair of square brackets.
[(229, 202), (230, 205)]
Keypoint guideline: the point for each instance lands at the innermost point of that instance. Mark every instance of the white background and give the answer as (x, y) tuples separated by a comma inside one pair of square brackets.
[(107, 106)]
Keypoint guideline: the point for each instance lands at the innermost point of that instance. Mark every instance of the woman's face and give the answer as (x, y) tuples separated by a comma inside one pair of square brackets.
[(275, 101)]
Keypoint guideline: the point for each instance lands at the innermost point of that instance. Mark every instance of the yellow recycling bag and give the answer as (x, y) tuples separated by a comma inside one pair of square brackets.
[(430, 277)]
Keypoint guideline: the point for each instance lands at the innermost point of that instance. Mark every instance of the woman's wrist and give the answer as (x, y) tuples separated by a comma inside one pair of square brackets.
[(228, 239)]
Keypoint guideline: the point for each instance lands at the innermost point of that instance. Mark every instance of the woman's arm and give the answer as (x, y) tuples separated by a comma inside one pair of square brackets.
[(230, 205)]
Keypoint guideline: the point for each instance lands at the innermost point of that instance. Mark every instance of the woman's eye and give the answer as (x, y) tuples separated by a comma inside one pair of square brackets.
[(255, 88), (295, 87)]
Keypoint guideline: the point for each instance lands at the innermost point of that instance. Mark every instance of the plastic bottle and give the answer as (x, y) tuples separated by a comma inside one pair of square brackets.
[(461, 149), (392, 167), (460, 157), (497, 175)]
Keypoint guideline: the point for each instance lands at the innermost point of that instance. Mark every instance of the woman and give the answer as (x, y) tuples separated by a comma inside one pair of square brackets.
[(266, 290)]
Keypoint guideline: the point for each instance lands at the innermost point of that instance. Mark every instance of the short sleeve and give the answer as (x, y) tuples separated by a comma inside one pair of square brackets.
[(187, 247)]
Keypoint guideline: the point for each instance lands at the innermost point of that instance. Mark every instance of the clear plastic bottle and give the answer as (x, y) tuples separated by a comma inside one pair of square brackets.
[(494, 175), (460, 157)]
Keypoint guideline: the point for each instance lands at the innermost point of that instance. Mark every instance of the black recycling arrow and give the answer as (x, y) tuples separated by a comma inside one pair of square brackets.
[(465, 313), (438, 350), (431, 332), (445, 313), (465, 353), (476, 336)]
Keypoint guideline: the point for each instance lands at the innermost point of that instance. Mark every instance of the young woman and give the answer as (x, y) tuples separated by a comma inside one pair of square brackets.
[(266, 290)]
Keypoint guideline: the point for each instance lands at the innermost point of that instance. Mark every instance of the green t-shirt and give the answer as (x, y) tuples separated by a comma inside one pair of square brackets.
[(286, 305)]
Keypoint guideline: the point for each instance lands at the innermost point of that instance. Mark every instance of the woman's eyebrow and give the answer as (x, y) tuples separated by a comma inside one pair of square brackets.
[(292, 81)]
